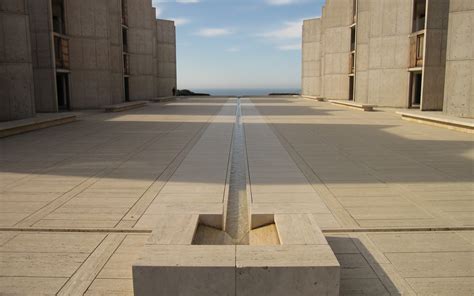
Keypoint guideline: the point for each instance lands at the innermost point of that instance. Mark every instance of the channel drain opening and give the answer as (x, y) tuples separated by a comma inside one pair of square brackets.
[(237, 227)]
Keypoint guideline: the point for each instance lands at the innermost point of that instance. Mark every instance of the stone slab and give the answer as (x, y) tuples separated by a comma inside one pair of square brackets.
[(272, 270), (41, 121), (439, 119), (185, 270), (124, 106), (354, 105)]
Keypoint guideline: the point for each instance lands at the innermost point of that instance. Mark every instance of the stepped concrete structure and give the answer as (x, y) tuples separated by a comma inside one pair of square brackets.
[(392, 53), (73, 55)]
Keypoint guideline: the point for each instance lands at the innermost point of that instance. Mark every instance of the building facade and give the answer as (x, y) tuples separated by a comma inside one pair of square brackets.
[(82, 54), (393, 53)]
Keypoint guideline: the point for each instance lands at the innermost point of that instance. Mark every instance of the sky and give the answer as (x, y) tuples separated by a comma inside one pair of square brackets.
[(225, 44)]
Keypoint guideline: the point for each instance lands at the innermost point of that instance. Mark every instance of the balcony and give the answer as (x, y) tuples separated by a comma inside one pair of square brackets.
[(61, 51), (417, 50)]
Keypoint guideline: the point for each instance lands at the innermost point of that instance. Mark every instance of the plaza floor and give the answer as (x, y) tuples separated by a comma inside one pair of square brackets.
[(394, 198)]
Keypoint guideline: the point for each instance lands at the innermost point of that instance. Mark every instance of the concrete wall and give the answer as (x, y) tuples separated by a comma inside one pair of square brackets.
[(311, 58), (95, 52), (383, 50), (434, 65), (166, 57), (336, 45), (43, 55), (16, 70), (459, 85), (142, 28)]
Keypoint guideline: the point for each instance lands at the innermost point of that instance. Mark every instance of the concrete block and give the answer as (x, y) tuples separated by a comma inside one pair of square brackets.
[(185, 270), (287, 270)]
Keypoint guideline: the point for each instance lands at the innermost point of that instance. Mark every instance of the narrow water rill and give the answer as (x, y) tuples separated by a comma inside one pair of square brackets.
[(236, 226), (237, 212)]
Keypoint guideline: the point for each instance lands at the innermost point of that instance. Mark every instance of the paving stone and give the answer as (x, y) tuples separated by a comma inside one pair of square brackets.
[(443, 286), (434, 264), (420, 242), (53, 243), (31, 285), (40, 264)]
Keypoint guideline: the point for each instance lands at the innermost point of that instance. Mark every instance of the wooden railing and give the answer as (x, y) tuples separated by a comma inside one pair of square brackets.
[(417, 53), (61, 51)]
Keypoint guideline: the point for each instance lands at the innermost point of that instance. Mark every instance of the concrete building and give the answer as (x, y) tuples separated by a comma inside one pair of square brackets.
[(459, 85), (392, 53), (16, 70), (82, 54)]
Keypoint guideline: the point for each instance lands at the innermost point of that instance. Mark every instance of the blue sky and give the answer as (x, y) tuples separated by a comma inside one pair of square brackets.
[(238, 44)]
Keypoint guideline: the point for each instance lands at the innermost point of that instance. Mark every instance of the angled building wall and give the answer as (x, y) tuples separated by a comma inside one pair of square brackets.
[(383, 52), (166, 58), (41, 27), (434, 61), (459, 85), (141, 44), (336, 39), (311, 58), (94, 52), (16, 70)]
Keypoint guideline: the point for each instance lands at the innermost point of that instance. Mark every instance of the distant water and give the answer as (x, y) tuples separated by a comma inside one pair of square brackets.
[(245, 91)]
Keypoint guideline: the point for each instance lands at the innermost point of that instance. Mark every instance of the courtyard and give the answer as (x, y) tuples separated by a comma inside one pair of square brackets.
[(393, 198)]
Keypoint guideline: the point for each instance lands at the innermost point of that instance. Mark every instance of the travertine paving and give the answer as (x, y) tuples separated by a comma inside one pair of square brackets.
[(94, 189)]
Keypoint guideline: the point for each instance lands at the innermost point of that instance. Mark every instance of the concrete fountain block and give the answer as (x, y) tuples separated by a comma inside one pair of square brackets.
[(185, 270), (287, 270)]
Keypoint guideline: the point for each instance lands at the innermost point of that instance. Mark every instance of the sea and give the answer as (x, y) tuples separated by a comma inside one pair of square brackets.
[(245, 91)]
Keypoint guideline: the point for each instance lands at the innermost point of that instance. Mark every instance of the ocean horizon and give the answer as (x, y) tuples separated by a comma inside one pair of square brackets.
[(244, 91)]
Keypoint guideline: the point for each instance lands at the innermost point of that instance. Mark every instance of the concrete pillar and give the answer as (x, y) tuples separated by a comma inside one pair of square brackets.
[(166, 58), (41, 28), (142, 27), (91, 52), (311, 58), (336, 37), (16, 69), (459, 80), (434, 61)]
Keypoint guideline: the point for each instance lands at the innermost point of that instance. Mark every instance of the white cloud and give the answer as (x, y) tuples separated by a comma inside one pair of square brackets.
[(213, 32), (287, 47), (180, 21), (188, 1), (233, 49), (282, 2), (291, 30)]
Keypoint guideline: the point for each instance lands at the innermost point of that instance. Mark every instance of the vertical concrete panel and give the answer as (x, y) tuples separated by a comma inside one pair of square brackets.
[(89, 24), (43, 55), (142, 27), (165, 58), (311, 58), (459, 81), (434, 67), (336, 41), (16, 68), (388, 52)]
